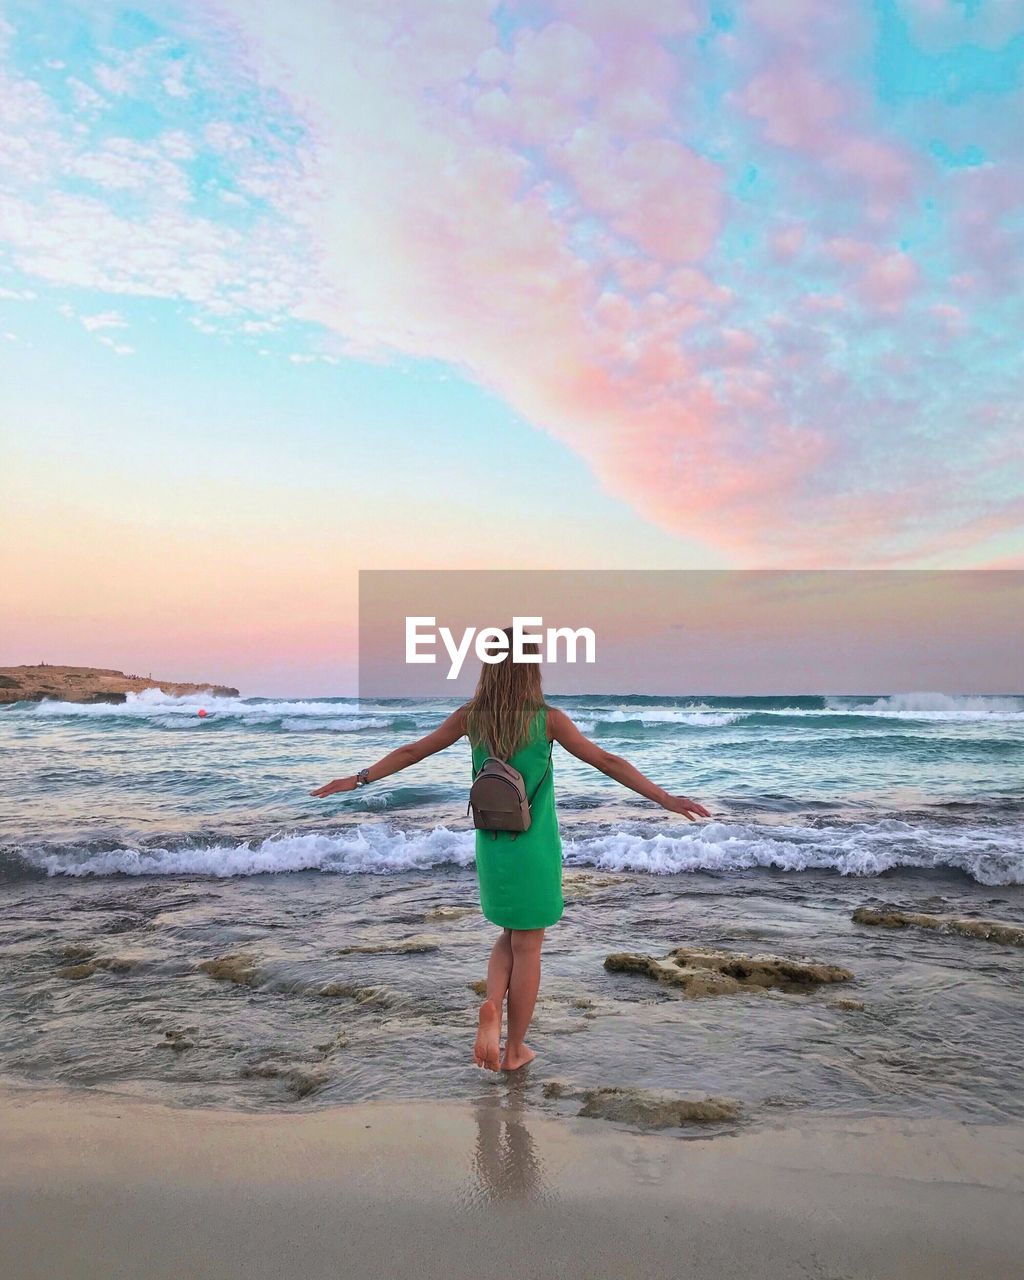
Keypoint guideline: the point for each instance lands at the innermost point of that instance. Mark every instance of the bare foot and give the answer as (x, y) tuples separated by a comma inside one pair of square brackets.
[(513, 1059), (488, 1037)]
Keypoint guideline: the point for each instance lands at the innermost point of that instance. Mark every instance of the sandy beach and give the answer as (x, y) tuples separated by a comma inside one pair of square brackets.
[(95, 1185)]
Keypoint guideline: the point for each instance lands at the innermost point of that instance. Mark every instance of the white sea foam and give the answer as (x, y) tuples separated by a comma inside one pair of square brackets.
[(863, 849), (156, 705), (898, 706), (332, 724), (931, 706), (698, 715), (990, 856), (370, 848)]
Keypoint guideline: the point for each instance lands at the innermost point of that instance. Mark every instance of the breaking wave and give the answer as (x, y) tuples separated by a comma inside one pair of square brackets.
[(988, 855), (932, 706), (346, 714)]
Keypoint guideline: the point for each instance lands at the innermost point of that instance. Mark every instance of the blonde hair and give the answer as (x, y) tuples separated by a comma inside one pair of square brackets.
[(508, 696)]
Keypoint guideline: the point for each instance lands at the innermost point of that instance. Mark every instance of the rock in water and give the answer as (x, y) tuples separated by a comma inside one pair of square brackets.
[(377, 996), (237, 968), (407, 946), (702, 971), (298, 1077), (105, 964), (645, 1109), (448, 913), (986, 930)]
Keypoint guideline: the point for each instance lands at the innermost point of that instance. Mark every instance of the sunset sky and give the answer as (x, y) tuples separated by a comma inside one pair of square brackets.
[(291, 290)]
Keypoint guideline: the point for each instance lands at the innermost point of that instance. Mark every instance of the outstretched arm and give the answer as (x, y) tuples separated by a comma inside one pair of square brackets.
[(567, 735), (402, 757)]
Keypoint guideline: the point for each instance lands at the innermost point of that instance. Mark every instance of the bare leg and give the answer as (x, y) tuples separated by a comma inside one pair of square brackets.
[(487, 1049), (522, 995), (499, 968)]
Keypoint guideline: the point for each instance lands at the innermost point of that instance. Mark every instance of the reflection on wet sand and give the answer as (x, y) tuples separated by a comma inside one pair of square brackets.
[(505, 1163)]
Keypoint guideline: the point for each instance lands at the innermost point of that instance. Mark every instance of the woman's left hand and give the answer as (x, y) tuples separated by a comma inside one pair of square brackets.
[(338, 784)]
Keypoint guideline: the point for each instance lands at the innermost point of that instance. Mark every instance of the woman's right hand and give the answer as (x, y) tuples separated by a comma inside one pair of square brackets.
[(687, 807)]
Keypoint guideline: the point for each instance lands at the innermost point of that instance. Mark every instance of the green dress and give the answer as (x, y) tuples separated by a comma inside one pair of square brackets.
[(520, 875)]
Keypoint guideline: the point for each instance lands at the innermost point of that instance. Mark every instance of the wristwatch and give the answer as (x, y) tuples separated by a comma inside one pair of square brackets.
[(362, 777)]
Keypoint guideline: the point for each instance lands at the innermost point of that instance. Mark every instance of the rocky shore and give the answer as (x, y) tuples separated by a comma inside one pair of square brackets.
[(703, 971), (986, 930), (90, 684)]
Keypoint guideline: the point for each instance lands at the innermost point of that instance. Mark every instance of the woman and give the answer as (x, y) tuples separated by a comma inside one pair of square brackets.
[(520, 876)]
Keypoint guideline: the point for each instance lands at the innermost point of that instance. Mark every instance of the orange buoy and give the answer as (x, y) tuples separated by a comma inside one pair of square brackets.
[(200, 712)]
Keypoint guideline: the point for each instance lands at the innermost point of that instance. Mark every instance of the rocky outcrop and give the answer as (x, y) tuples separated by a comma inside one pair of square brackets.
[(986, 930), (584, 884), (90, 684), (701, 971), (299, 1078), (448, 913), (98, 964), (237, 967), (177, 1040), (376, 996), (407, 947), (645, 1109)]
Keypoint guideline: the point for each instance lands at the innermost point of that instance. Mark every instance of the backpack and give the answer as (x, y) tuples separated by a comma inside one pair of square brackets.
[(498, 798)]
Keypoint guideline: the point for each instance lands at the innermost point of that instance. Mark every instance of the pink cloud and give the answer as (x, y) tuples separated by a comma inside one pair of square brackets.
[(985, 200), (562, 209), (889, 281), (797, 96), (787, 242), (665, 198), (615, 18), (542, 222), (950, 320), (796, 106), (824, 302), (883, 280)]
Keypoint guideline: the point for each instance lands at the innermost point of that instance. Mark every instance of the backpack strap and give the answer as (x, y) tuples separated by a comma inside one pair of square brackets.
[(536, 790), (547, 770)]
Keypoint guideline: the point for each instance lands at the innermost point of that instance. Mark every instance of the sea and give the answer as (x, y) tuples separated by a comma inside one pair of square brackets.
[(180, 920)]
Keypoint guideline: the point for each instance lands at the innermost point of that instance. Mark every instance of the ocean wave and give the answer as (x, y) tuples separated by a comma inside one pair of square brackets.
[(151, 702), (830, 710), (153, 705), (371, 848), (987, 855), (695, 714), (334, 724), (346, 715), (666, 718), (932, 706), (863, 849)]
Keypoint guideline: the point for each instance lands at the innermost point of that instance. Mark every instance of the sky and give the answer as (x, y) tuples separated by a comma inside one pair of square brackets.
[(700, 632), (290, 291)]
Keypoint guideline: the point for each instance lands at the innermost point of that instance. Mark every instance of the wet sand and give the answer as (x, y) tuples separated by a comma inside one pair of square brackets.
[(96, 1185)]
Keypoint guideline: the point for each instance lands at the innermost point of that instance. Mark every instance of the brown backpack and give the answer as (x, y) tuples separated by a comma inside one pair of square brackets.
[(498, 798)]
